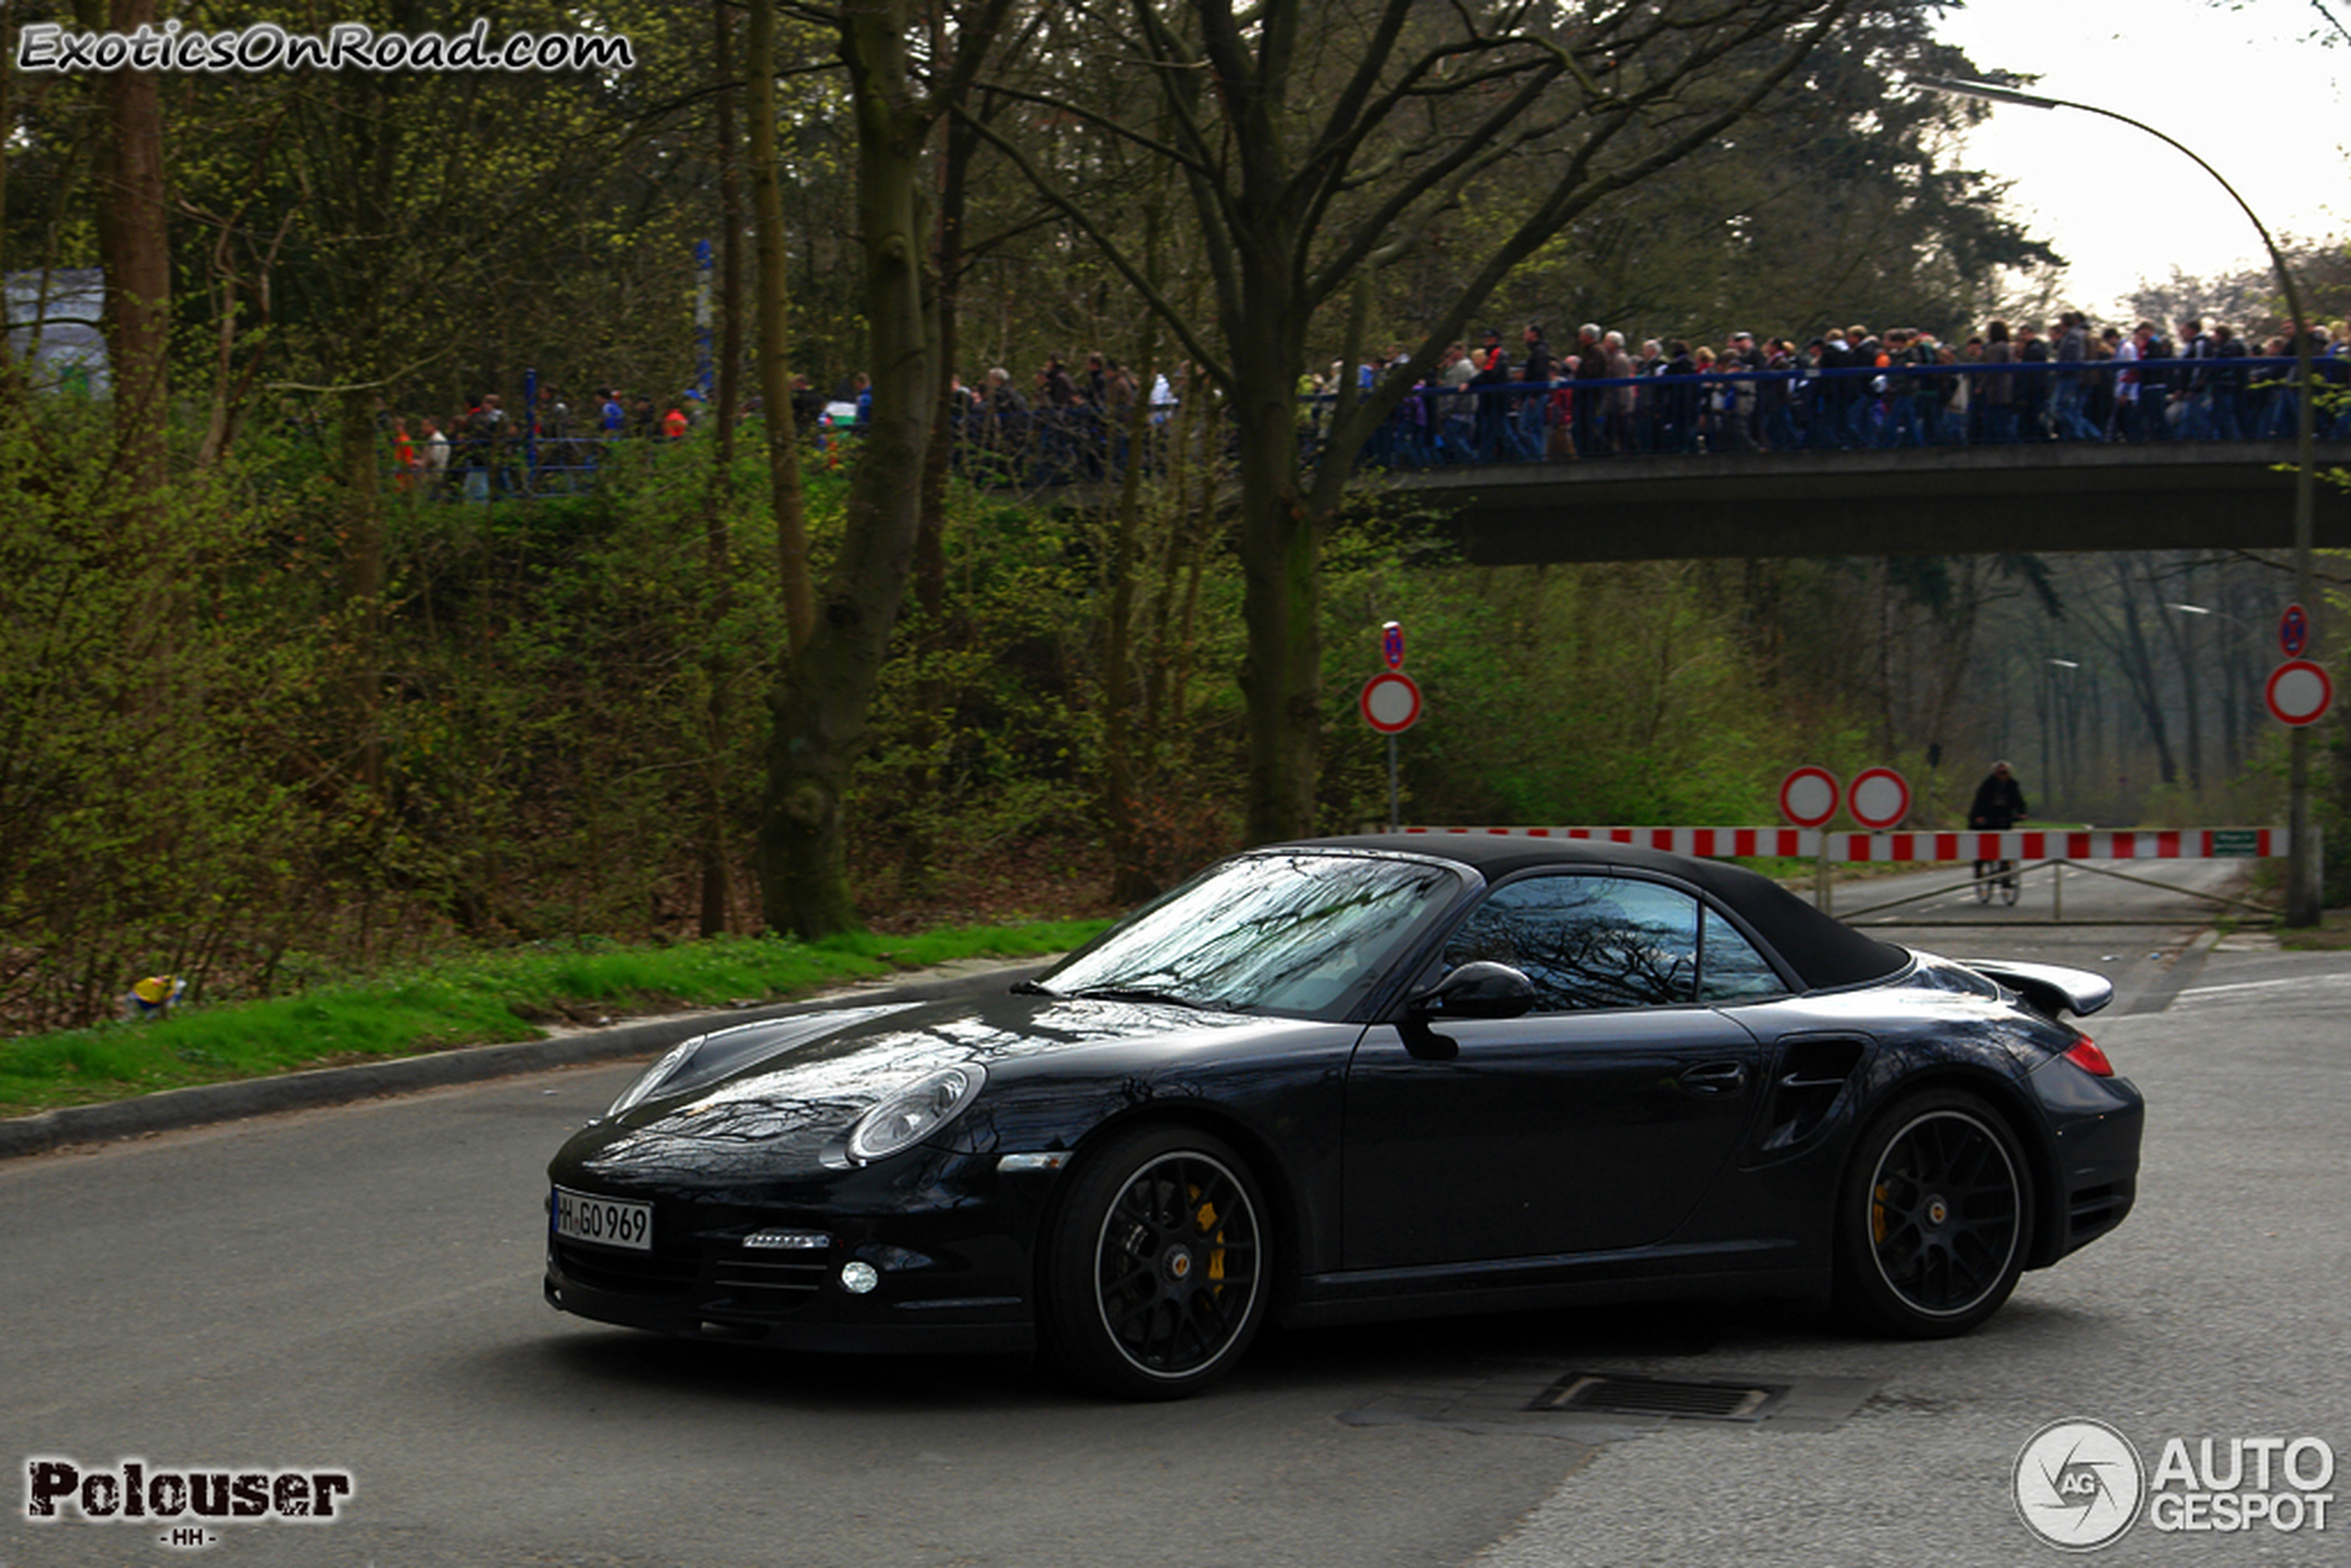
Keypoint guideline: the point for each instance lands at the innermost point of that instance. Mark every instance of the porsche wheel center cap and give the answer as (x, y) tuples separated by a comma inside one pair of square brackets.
[(1938, 1213), (1178, 1263)]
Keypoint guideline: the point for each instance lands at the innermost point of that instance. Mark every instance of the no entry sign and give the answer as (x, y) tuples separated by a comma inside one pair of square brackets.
[(2298, 693), (1391, 702), (1880, 798), (1809, 796)]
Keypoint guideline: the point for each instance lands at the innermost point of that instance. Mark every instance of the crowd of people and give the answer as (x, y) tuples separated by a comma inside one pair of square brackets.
[(1850, 387), (1843, 389), (484, 451)]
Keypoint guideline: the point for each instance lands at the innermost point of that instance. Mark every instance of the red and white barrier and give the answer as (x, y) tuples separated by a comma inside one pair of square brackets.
[(1707, 842), (1806, 844), (2166, 843)]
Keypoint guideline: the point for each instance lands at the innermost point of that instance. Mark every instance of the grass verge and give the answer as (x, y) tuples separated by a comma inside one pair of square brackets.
[(2331, 934), (484, 1001)]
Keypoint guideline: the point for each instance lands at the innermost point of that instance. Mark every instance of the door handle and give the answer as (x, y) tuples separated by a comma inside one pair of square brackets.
[(1715, 1078)]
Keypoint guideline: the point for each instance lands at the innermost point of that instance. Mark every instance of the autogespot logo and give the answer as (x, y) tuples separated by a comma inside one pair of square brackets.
[(2078, 1485)]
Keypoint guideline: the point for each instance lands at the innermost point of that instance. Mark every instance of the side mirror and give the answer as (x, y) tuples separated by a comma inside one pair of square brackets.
[(1483, 990)]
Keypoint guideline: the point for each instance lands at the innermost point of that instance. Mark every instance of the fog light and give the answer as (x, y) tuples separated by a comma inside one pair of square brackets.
[(787, 1240), (857, 1279)]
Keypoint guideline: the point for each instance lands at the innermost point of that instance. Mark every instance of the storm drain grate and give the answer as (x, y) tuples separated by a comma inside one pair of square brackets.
[(1613, 1394), (1533, 1400)]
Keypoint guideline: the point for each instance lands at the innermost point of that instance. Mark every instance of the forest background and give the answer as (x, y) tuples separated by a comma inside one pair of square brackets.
[(269, 714)]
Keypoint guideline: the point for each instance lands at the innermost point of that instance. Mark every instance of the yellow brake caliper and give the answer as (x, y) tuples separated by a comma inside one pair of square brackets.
[(1205, 1217)]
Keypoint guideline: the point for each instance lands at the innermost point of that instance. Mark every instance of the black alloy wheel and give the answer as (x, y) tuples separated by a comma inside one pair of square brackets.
[(1935, 1218), (1157, 1274)]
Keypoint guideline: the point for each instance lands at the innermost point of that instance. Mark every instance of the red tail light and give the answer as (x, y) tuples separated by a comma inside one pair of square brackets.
[(2086, 1056)]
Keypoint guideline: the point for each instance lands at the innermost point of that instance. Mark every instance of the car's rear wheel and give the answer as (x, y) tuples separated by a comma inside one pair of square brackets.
[(1158, 1269), (1935, 1218)]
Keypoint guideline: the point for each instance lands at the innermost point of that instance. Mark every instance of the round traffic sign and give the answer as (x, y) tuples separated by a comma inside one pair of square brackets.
[(1391, 702), (2293, 631), (1809, 796), (2298, 693), (1880, 798)]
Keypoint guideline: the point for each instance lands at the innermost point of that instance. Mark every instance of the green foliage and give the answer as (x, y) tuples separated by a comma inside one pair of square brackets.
[(482, 1000), (982, 738), (1562, 696), (143, 656)]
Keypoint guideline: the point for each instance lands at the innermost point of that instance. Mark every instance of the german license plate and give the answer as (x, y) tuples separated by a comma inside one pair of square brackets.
[(604, 1222)]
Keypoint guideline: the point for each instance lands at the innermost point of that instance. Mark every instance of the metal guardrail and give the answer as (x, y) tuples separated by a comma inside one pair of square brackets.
[(2056, 900)]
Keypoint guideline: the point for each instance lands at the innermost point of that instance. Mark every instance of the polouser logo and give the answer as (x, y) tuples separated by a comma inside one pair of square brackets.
[(2078, 1485)]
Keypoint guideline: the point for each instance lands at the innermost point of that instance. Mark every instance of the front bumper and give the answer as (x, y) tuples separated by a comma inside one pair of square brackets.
[(950, 1246)]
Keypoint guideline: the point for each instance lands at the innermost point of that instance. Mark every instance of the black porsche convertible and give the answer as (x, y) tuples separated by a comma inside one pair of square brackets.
[(1356, 1078)]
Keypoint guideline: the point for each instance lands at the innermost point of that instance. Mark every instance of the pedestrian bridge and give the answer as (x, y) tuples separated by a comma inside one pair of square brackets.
[(1900, 461), (1904, 501), (1869, 462), (1952, 459)]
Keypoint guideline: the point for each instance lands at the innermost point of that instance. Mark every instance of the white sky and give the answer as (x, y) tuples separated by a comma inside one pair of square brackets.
[(2263, 107)]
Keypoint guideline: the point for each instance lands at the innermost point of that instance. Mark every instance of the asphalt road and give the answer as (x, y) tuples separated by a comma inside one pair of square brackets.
[(356, 1289)]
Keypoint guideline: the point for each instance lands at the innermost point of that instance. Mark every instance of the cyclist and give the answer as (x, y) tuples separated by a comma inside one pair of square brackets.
[(1999, 805)]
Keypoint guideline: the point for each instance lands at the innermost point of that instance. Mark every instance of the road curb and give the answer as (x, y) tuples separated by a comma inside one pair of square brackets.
[(204, 1105), (2176, 975)]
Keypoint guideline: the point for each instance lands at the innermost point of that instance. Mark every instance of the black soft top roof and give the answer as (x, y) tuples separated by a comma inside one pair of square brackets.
[(1824, 950)]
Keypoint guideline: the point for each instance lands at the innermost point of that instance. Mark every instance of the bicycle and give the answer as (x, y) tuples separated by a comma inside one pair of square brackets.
[(2002, 875)]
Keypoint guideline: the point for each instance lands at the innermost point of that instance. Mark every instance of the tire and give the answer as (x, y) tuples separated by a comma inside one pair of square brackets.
[(1158, 1265), (1934, 1217)]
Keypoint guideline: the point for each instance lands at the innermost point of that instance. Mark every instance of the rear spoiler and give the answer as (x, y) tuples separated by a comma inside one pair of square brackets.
[(2051, 987)]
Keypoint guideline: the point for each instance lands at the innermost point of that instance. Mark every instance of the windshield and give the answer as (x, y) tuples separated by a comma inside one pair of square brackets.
[(1288, 931)]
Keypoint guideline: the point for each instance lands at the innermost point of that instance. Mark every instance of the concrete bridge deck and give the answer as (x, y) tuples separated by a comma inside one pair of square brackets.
[(1933, 500)]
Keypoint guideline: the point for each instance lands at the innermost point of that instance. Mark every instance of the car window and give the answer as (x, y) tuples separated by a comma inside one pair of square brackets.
[(1283, 932), (1588, 941), (1730, 969)]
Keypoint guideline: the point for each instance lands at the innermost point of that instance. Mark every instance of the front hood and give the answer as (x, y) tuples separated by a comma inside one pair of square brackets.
[(797, 1085)]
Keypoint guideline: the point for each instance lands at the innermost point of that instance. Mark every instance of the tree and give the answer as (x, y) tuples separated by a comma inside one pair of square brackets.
[(1322, 143), (821, 702), (134, 246), (772, 357)]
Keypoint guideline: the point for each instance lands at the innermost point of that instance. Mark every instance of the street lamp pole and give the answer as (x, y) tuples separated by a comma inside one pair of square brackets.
[(2065, 702), (2302, 889)]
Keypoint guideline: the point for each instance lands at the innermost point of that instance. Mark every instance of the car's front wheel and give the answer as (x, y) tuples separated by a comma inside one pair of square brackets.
[(1158, 1269), (1935, 1218)]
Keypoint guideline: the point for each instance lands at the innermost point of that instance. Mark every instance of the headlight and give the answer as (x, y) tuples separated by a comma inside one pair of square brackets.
[(914, 1113)]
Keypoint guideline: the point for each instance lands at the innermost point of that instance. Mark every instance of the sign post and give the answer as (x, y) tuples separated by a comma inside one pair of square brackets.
[(1807, 799), (1390, 702)]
